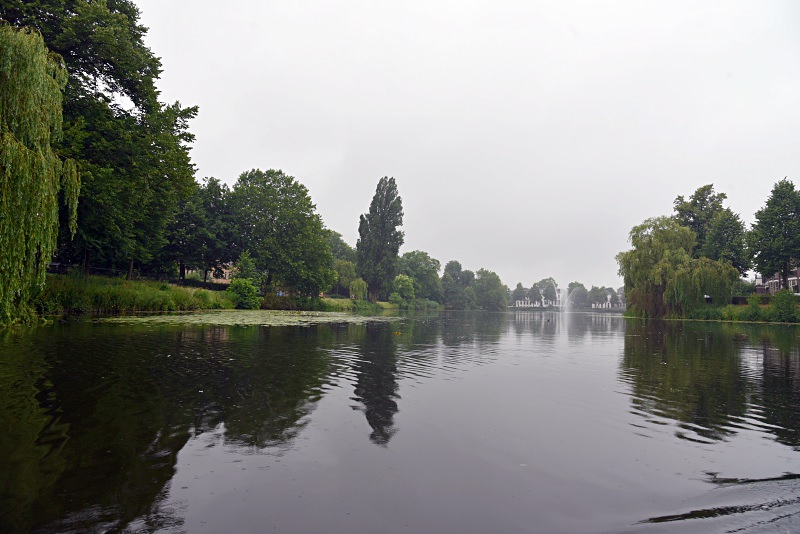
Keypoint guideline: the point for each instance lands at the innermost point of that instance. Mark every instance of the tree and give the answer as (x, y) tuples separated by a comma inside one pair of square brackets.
[(31, 85), (548, 288), (598, 296), (535, 294), (697, 212), (345, 274), (276, 220), (490, 293), (775, 236), (457, 290), (725, 240), (133, 158), (358, 289), (424, 271), (577, 295), (380, 240), (519, 293), (660, 246), (662, 278), (402, 290), (339, 248)]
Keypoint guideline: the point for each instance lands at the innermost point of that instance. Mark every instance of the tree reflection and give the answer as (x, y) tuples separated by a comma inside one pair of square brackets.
[(91, 445), (686, 373), (781, 392), (376, 380)]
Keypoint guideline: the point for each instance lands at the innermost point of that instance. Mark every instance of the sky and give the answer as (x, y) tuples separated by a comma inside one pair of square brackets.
[(526, 138)]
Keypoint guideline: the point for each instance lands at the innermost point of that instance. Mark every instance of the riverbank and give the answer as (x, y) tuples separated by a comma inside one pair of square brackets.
[(99, 295), (782, 309), (76, 295)]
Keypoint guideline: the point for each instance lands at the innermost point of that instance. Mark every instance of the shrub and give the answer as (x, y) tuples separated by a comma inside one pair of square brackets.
[(753, 310), (244, 294), (784, 307)]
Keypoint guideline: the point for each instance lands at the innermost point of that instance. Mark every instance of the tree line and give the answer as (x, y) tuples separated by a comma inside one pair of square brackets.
[(97, 173), (697, 256), (544, 293)]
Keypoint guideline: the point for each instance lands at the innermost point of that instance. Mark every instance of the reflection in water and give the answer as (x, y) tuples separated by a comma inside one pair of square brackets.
[(376, 380), (95, 416), (712, 381)]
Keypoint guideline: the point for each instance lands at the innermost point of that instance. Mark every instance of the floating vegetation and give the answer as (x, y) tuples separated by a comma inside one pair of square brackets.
[(246, 318)]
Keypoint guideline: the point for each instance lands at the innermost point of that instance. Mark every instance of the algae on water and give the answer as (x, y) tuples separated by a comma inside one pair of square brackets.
[(246, 318)]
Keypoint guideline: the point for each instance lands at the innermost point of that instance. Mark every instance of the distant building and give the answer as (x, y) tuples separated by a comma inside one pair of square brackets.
[(770, 285)]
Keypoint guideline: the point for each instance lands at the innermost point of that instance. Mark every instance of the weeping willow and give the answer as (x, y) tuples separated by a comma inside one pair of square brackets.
[(661, 277), (32, 82)]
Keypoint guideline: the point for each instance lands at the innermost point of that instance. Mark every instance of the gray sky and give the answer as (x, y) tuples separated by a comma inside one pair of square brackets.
[(525, 137)]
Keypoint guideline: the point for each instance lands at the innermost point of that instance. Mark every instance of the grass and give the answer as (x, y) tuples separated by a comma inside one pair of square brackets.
[(352, 306), (99, 295)]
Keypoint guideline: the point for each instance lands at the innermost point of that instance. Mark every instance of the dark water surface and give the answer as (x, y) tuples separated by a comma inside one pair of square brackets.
[(526, 422)]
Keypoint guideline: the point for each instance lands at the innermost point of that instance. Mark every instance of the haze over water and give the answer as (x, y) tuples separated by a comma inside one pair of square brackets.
[(517, 422)]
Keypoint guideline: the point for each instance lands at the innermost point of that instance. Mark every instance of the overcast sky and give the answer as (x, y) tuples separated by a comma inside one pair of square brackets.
[(525, 137)]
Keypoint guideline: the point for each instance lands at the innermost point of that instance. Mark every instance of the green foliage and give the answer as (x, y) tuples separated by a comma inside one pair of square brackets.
[(456, 287), (661, 277), (547, 287), (424, 271), (380, 239), (784, 307), (244, 294), (490, 293), (577, 295), (245, 267), (403, 286), (340, 249), (774, 239), (697, 213), (535, 294), (345, 275), (753, 310), (199, 232), (519, 293), (31, 173), (275, 217), (725, 240), (100, 295), (134, 161), (358, 289)]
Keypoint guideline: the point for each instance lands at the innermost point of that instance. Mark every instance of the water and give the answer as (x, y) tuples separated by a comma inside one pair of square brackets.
[(519, 422)]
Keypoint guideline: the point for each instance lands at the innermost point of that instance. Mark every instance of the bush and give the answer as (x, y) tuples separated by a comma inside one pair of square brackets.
[(784, 307), (753, 310), (244, 294)]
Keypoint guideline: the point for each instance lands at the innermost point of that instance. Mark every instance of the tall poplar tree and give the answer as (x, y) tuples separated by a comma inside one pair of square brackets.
[(380, 239), (31, 173)]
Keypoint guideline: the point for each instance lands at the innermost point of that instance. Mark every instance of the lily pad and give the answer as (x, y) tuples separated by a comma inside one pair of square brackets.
[(246, 318)]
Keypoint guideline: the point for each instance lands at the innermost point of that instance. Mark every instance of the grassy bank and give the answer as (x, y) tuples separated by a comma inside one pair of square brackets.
[(348, 305), (99, 295), (782, 308)]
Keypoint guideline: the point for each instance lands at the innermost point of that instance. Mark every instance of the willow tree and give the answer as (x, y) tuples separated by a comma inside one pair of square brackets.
[(662, 278), (32, 81)]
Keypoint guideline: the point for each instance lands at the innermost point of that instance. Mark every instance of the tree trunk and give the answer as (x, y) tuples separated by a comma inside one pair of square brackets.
[(130, 269), (373, 296), (182, 267), (785, 277), (86, 256), (205, 276)]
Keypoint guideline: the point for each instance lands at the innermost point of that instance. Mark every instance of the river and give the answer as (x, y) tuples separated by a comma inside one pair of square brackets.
[(453, 422)]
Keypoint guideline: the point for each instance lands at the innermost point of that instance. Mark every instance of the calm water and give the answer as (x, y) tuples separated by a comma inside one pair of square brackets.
[(527, 422)]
